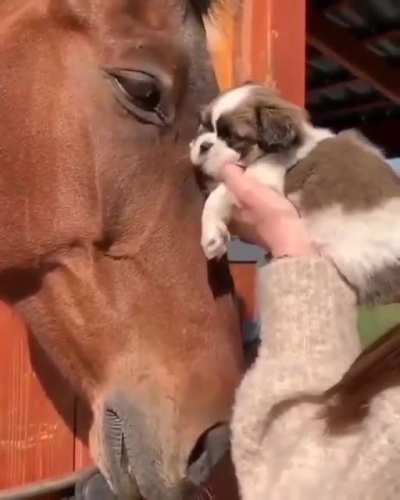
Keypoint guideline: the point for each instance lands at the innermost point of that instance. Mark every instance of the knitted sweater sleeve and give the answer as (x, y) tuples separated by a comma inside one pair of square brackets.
[(309, 338), (309, 317)]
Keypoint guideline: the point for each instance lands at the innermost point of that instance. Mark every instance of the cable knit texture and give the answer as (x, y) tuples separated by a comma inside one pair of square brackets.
[(309, 339)]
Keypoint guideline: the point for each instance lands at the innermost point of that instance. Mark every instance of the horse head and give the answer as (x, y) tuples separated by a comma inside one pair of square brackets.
[(99, 227)]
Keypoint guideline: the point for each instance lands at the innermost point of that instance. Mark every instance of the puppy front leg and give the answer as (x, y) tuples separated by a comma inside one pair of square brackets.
[(215, 218)]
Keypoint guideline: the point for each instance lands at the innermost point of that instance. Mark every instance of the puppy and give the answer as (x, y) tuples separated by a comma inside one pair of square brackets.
[(344, 189)]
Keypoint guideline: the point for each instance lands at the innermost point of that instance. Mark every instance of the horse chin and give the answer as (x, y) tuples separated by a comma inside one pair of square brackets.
[(140, 463)]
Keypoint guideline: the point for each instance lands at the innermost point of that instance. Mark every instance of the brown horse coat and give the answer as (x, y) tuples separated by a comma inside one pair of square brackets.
[(99, 226)]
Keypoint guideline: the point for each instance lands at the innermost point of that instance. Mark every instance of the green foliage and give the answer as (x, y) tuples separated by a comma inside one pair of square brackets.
[(374, 322)]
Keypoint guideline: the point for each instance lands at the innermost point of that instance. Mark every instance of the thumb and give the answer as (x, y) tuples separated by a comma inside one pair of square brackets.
[(239, 184)]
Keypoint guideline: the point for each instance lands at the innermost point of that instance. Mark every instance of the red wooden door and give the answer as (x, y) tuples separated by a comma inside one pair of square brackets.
[(35, 441)]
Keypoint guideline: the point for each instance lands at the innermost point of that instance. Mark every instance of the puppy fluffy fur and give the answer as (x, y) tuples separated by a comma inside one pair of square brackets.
[(342, 185)]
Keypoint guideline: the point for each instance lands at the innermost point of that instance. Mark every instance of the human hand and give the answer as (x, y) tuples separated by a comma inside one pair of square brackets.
[(270, 219)]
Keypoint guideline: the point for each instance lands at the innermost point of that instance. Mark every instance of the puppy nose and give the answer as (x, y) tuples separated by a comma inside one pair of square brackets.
[(205, 146)]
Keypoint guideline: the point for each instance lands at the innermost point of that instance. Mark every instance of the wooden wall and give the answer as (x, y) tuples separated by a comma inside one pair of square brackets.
[(263, 40)]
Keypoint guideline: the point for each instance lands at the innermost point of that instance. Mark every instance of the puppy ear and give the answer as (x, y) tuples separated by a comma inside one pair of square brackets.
[(277, 130)]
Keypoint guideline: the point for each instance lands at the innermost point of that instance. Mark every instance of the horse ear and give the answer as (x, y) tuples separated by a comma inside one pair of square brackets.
[(277, 130), (70, 13)]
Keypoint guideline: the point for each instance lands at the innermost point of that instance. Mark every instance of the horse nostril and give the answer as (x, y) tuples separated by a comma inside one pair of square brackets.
[(205, 146), (124, 484), (209, 449)]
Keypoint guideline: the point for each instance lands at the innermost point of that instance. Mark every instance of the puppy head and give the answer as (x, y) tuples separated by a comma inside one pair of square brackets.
[(244, 124)]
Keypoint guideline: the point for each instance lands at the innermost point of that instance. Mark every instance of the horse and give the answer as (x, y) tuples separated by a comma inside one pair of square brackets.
[(100, 228)]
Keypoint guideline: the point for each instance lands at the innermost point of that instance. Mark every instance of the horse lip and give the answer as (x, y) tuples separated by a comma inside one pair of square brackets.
[(209, 450), (94, 487)]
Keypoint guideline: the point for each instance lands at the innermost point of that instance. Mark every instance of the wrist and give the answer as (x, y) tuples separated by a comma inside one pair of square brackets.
[(298, 249), (293, 242)]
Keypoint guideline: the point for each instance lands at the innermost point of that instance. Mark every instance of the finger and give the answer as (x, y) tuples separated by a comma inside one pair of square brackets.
[(231, 175), (251, 194), (245, 231), (239, 184), (243, 215)]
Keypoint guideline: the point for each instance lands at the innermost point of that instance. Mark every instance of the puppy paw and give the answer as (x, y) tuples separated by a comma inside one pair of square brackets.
[(215, 239)]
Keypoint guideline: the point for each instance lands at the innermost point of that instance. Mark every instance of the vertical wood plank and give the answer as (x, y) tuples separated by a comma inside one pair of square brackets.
[(82, 422), (287, 28), (221, 35), (252, 48), (244, 276), (271, 45), (35, 442)]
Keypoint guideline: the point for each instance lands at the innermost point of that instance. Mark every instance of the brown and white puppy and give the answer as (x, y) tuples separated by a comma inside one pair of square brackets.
[(342, 185)]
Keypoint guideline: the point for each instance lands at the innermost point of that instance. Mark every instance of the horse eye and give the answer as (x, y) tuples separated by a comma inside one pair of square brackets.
[(143, 92), (142, 95)]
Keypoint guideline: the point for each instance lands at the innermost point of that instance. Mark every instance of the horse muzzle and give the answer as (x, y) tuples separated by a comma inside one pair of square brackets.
[(147, 457)]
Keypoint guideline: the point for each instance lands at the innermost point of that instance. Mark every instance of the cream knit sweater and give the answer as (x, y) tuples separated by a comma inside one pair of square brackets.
[(309, 339)]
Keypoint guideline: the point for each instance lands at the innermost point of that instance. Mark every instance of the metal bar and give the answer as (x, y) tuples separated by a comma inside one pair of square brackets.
[(338, 44)]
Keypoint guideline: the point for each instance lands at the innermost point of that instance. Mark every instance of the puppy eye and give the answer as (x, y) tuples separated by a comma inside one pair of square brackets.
[(224, 131)]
